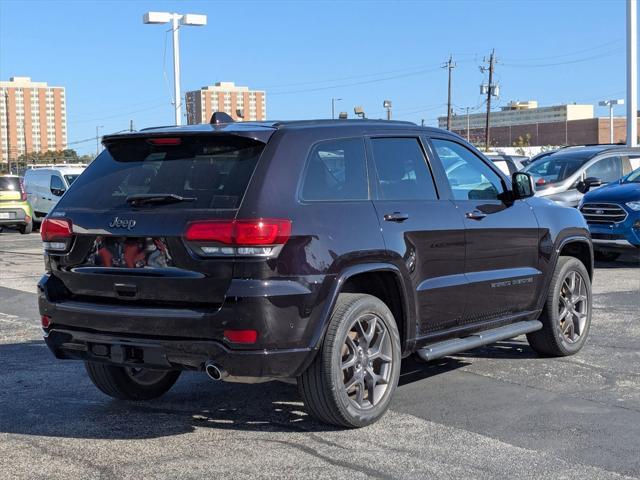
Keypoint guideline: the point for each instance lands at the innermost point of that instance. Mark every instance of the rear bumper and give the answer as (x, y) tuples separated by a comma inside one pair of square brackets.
[(172, 337), (16, 216), (176, 354)]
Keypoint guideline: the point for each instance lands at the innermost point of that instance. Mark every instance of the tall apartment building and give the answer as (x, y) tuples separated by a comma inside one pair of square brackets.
[(520, 113), (33, 118), (225, 97)]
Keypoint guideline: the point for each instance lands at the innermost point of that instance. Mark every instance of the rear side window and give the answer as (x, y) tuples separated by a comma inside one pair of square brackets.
[(214, 171), (403, 173), (336, 170)]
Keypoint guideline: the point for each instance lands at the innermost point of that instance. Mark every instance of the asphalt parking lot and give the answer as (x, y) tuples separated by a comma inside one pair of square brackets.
[(498, 411)]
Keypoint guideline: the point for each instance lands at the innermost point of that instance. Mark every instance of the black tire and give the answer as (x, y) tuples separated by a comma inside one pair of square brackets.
[(120, 382), (322, 386), (551, 340), (605, 256), (26, 229)]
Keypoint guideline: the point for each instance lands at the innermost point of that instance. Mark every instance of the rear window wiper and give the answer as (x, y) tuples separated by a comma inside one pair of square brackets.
[(156, 198)]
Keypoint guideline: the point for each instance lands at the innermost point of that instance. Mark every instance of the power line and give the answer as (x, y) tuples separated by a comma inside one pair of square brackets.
[(569, 54), (566, 62)]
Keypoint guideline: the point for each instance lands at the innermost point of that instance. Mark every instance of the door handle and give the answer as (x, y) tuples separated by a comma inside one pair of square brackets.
[(396, 217), (475, 215)]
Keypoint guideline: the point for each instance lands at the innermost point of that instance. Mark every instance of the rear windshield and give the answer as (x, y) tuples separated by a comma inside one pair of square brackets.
[(554, 169), (9, 184), (214, 172)]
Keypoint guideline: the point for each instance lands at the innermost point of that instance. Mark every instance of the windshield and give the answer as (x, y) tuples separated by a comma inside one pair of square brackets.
[(552, 170), (214, 172), (71, 178), (633, 177)]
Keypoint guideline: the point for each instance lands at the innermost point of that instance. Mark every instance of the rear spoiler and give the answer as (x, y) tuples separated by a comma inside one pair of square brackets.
[(260, 133)]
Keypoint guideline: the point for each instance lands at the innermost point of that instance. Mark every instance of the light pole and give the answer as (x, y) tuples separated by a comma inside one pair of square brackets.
[(387, 105), (98, 127), (632, 73), (333, 106), (176, 20), (610, 104)]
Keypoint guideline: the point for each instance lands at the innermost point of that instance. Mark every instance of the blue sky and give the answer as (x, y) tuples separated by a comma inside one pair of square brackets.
[(303, 53)]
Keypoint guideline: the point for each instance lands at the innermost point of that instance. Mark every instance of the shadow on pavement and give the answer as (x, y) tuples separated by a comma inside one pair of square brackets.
[(43, 396)]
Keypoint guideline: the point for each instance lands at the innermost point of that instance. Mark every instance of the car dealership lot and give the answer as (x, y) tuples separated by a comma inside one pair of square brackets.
[(496, 411)]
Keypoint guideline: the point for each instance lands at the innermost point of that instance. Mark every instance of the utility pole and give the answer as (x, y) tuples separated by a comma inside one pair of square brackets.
[(632, 73), (490, 92), (468, 125), (131, 125), (450, 65)]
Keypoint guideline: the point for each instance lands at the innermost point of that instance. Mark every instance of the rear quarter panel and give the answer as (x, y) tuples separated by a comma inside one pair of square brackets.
[(327, 237)]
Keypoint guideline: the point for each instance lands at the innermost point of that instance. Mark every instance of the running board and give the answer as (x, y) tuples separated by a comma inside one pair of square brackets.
[(449, 347)]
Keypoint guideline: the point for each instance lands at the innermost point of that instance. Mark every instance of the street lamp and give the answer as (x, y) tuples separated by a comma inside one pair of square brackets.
[(176, 20), (333, 106), (387, 105), (610, 104)]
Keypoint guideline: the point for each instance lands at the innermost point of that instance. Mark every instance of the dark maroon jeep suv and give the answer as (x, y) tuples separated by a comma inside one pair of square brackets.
[(324, 251)]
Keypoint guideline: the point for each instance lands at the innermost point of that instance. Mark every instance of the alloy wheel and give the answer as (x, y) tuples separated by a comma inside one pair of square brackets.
[(145, 376), (366, 361), (573, 307)]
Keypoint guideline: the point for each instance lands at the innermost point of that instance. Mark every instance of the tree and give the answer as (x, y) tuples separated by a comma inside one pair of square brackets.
[(521, 143)]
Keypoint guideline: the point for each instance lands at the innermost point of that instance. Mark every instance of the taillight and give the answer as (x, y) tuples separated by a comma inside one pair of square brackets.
[(23, 192), (56, 233), (45, 321), (258, 237)]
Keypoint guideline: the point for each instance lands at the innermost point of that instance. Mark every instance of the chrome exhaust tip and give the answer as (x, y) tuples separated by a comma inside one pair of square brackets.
[(214, 372)]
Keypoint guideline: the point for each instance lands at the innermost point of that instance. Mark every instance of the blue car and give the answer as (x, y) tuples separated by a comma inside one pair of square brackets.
[(613, 215)]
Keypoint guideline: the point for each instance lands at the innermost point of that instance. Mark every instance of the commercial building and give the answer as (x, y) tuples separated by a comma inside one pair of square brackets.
[(521, 113), (33, 118), (525, 122), (240, 103)]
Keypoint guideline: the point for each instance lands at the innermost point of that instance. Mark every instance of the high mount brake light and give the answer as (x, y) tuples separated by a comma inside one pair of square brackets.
[(164, 141), (56, 233), (255, 237)]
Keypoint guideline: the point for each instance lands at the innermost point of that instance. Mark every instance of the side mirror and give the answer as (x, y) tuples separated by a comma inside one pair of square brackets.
[(522, 185), (57, 191), (584, 185)]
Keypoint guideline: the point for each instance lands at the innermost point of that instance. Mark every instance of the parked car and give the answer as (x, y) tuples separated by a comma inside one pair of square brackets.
[(508, 164), (46, 185), (254, 251), (540, 156), (15, 210), (566, 174), (613, 215)]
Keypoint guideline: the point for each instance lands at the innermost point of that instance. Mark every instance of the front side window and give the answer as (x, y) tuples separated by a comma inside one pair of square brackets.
[(56, 183), (608, 169), (469, 177), (403, 173), (336, 170)]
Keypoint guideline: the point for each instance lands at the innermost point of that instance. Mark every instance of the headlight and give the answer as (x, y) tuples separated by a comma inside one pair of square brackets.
[(635, 206)]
